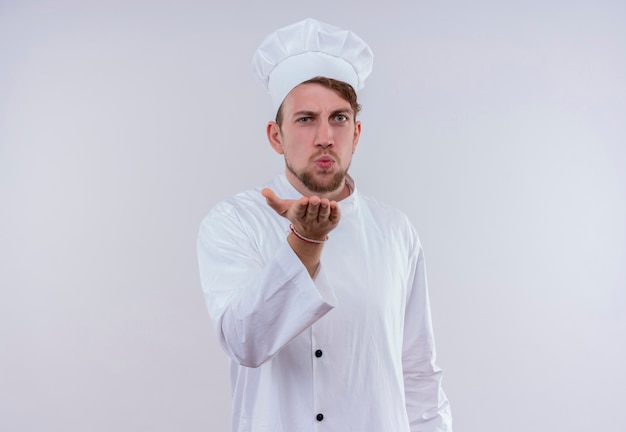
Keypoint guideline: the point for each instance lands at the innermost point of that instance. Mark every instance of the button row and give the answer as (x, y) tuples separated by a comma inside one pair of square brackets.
[(320, 416)]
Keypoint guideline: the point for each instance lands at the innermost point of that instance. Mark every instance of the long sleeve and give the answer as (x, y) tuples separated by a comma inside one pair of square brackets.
[(352, 346), (427, 406), (258, 293)]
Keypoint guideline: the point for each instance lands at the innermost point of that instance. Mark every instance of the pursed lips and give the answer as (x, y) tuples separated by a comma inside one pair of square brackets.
[(324, 162)]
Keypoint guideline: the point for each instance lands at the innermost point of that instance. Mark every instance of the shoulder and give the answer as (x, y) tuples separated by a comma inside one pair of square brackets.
[(246, 211), (390, 220), (245, 201), (385, 212), (240, 208)]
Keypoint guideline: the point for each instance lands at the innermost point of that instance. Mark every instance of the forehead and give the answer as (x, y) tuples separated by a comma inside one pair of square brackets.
[(314, 97)]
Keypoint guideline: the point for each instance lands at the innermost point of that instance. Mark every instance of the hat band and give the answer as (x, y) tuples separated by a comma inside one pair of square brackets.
[(302, 67)]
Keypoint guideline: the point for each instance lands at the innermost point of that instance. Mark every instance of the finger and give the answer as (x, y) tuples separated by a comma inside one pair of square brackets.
[(324, 211), (335, 213), (313, 209), (300, 208)]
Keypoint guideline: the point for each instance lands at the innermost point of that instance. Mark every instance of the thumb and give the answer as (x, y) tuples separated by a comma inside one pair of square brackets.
[(280, 206)]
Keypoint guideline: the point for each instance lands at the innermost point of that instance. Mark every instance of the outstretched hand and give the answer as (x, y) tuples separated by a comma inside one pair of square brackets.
[(313, 217)]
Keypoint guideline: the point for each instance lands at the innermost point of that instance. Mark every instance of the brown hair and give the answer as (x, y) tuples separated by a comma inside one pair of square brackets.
[(343, 89)]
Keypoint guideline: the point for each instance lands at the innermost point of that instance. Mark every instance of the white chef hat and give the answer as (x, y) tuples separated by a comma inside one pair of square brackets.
[(306, 49)]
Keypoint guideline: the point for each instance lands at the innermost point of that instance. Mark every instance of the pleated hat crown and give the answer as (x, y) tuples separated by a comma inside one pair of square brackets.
[(309, 48)]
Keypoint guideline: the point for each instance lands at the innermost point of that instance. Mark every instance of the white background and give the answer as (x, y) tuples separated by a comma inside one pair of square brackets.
[(498, 127)]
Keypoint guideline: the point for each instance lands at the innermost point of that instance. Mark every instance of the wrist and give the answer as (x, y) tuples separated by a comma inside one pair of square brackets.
[(305, 238), (308, 253)]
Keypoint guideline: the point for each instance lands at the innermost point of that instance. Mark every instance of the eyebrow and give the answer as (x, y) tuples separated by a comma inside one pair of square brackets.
[(305, 113), (314, 114), (341, 111)]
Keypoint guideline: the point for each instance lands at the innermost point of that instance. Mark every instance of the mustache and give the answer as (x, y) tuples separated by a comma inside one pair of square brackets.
[(325, 152)]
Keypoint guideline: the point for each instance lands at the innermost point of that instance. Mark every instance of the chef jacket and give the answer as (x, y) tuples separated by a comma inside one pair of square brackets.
[(351, 349)]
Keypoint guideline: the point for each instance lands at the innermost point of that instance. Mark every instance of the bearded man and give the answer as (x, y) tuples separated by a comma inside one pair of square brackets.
[(318, 293)]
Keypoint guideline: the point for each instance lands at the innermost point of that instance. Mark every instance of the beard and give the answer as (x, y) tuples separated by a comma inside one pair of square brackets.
[(322, 183)]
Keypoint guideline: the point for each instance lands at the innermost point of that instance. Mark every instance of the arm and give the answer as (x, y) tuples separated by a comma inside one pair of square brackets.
[(258, 302), (427, 406)]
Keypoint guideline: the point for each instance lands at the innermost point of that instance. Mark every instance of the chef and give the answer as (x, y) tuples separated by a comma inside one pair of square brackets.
[(318, 293)]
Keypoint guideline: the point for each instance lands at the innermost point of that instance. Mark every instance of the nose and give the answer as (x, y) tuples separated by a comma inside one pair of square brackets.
[(324, 136)]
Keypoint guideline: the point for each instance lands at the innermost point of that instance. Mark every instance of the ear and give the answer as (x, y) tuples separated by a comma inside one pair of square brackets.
[(357, 134), (274, 137)]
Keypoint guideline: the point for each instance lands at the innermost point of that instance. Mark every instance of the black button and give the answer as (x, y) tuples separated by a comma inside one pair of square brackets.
[(319, 417), (318, 353)]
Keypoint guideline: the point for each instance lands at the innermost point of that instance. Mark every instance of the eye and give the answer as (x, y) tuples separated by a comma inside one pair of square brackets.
[(341, 118), (304, 120)]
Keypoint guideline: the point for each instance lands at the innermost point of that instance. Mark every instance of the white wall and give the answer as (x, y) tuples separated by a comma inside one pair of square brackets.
[(500, 129)]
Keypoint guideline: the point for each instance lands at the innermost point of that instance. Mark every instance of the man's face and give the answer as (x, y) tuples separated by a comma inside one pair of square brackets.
[(318, 137)]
